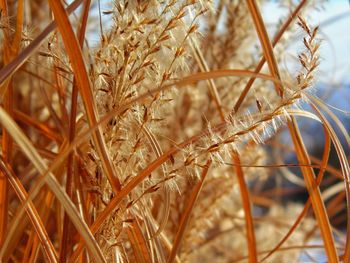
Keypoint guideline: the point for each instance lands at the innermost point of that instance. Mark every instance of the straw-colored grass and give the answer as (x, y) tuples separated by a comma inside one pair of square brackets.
[(156, 143)]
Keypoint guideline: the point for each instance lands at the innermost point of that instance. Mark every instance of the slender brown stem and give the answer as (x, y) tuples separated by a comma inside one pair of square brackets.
[(11, 49), (252, 253), (76, 59), (31, 211), (302, 155), (66, 249), (303, 213), (262, 61)]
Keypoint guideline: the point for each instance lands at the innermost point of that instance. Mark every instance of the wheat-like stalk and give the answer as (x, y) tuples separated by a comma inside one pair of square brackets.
[(154, 145)]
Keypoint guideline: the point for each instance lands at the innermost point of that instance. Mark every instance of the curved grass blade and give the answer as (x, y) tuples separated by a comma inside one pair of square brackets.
[(302, 155), (252, 253), (76, 59), (31, 211), (31, 153)]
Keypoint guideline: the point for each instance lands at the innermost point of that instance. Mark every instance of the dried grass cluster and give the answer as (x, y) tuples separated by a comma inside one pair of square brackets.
[(149, 147)]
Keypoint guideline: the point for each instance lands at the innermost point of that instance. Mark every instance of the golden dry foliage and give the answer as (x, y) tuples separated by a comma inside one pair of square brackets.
[(149, 145)]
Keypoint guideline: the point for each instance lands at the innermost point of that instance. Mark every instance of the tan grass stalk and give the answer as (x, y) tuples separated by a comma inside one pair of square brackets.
[(71, 172), (344, 166), (316, 200), (11, 49), (262, 61), (113, 140), (83, 82), (32, 155), (138, 243), (315, 194), (157, 163), (253, 256), (31, 212), (322, 167), (43, 129), (265, 43)]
